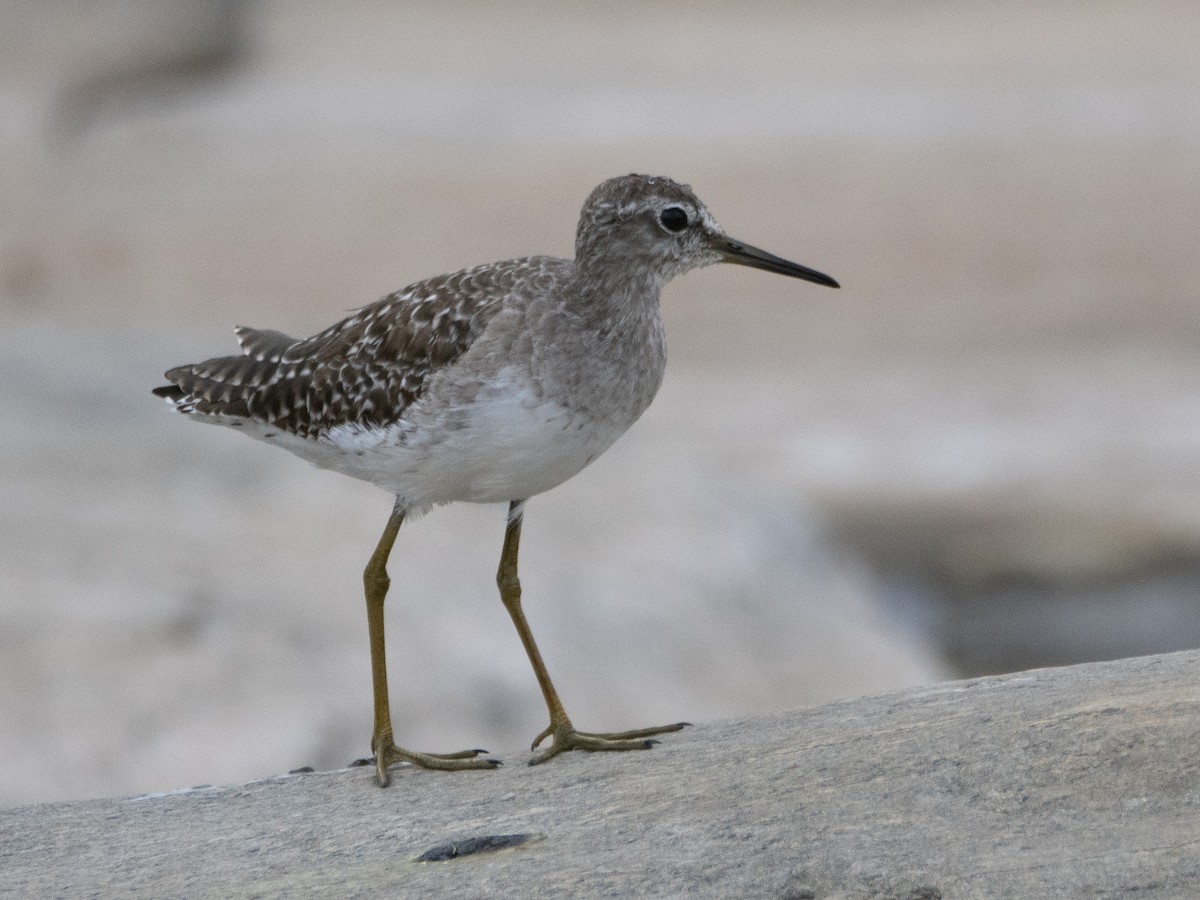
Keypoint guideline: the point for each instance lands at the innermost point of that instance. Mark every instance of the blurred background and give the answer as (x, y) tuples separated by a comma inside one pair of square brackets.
[(981, 455)]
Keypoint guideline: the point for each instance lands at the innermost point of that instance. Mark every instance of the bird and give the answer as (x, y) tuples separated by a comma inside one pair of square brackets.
[(492, 384)]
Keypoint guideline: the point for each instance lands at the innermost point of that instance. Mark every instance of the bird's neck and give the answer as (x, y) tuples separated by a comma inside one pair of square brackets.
[(618, 291)]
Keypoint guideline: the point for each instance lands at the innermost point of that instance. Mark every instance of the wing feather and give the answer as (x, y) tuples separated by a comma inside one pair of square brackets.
[(366, 369)]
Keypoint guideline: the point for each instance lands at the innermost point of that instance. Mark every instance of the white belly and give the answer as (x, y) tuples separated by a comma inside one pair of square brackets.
[(506, 444)]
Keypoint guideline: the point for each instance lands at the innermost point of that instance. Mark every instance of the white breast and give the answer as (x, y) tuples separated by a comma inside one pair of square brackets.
[(506, 443)]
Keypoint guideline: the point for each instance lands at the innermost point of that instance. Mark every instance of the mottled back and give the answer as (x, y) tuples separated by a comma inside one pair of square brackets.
[(365, 370)]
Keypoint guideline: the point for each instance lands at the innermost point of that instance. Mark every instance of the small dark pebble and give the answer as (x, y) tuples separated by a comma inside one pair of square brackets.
[(303, 770), (364, 761), (467, 846)]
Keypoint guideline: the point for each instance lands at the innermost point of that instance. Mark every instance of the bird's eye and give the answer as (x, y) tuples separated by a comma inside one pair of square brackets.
[(673, 218)]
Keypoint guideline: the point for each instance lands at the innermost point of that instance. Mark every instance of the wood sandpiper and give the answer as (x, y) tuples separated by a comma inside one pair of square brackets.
[(487, 385)]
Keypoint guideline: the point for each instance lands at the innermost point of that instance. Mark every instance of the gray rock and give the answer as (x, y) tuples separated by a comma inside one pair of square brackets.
[(1075, 782)]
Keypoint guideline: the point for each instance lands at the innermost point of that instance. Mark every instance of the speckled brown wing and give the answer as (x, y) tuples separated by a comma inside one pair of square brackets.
[(367, 369)]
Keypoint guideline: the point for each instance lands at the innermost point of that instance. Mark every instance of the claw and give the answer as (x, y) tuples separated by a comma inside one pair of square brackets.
[(549, 730), (567, 738), (389, 754)]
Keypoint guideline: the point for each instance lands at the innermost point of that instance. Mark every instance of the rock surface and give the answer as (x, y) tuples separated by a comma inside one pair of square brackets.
[(1074, 782), (979, 456)]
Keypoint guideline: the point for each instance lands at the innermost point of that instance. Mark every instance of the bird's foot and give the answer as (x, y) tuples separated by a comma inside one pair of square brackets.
[(565, 737), (388, 754)]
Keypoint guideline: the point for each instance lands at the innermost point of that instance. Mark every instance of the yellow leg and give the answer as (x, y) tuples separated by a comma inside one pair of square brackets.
[(564, 735), (376, 582)]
